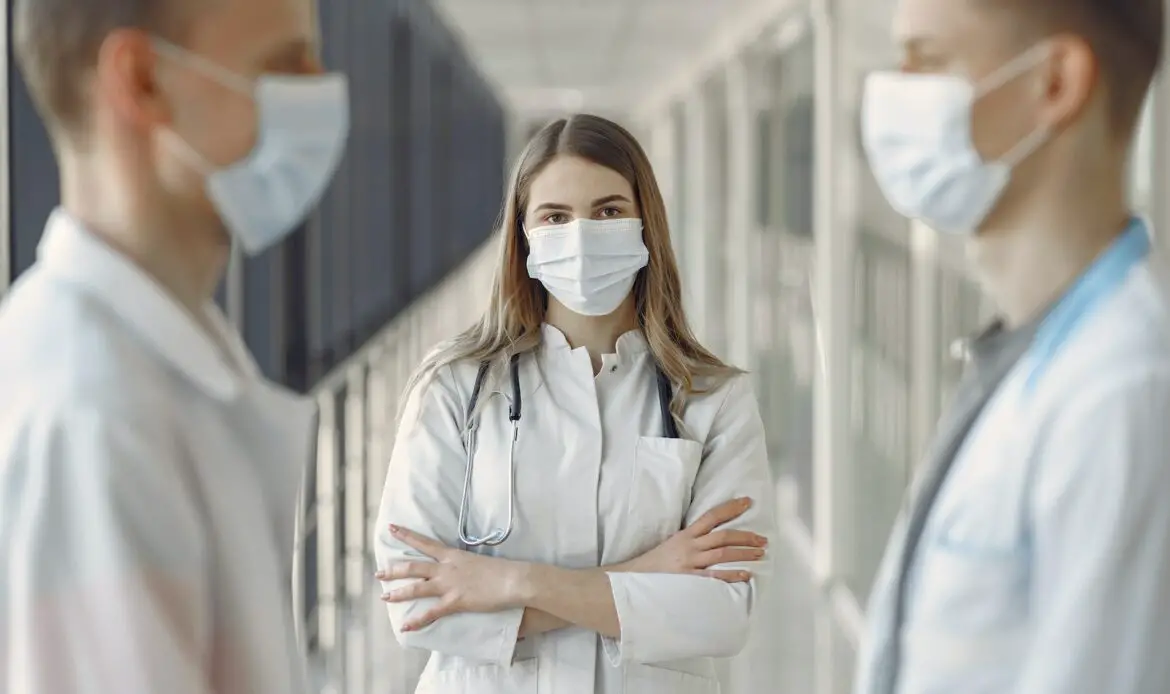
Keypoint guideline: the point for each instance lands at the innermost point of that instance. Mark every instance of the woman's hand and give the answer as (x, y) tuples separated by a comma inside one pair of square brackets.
[(699, 546), (461, 581)]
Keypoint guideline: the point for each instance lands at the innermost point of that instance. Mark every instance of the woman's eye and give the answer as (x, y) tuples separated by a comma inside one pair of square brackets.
[(610, 212), (557, 218)]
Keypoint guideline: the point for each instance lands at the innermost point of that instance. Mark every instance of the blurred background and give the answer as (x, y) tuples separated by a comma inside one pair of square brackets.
[(794, 267)]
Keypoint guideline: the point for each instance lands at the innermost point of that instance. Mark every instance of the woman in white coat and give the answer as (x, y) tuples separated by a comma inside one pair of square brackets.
[(549, 519)]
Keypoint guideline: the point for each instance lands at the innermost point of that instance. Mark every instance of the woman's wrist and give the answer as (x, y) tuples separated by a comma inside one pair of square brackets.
[(536, 622), (529, 580), (578, 596), (525, 582)]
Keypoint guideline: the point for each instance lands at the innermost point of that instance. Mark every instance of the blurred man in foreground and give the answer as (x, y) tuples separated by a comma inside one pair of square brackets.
[(147, 472), (1034, 557)]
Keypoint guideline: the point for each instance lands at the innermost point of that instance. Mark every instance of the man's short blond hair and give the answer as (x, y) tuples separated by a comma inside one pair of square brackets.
[(1126, 37), (56, 43)]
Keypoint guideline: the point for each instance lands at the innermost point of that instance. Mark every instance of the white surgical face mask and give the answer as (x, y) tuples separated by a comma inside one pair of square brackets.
[(303, 123), (917, 134), (589, 265)]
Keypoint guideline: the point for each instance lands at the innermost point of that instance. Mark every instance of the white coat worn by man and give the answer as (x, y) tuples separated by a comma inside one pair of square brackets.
[(1034, 557), (147, 472)]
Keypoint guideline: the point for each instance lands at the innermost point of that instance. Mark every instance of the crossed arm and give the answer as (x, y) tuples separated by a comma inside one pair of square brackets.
[(553, 597)]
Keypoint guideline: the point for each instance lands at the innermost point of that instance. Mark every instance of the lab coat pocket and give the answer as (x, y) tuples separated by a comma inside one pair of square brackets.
[(660, 491), (970, 608), (657, 679), (521, 677)]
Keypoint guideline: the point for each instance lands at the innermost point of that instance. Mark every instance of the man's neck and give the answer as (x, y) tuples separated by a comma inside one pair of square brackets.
[(1027, 264), (188, 261)]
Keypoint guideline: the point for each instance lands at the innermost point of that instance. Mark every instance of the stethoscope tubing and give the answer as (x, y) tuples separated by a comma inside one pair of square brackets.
[(499, 535)]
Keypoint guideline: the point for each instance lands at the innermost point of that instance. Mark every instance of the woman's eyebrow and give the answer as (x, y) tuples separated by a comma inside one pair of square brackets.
[(552, 206), (610, 198)]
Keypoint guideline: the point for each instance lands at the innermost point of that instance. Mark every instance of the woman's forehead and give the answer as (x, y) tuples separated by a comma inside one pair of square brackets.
[(572, 180)]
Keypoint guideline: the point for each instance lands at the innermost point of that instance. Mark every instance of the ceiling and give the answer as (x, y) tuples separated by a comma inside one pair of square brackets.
[(601, 55)]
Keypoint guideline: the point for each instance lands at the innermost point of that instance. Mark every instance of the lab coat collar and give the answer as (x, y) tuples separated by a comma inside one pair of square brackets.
[(74, 254), (996, 337), (629, 346), (983, 351)]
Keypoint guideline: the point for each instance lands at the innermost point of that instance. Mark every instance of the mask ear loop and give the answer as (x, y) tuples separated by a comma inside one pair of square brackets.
[(1014, 68), (1026, 147), (212, 71), (205, 67), (187, 153), (1010, 70)]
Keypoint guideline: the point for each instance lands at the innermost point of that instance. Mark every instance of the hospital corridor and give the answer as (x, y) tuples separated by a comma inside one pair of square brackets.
[(850, 321)]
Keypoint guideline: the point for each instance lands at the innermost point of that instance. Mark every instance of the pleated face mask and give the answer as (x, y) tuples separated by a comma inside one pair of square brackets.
[(589, 265), (303, 123), (918, 137)]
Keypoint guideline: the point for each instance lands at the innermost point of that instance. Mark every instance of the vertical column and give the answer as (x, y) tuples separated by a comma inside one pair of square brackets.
[(696, 188), (667, 158), (924, 338), (5, 166), (833, 298), (756, 668), (660, 149), (379, 421), (357, 573), (1159, 202), (329, 638), (742, 188)]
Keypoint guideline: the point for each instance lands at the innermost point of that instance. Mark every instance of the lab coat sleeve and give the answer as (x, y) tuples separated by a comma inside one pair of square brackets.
[(1101, 524), (673, 616), (105, 567), (423, 490)]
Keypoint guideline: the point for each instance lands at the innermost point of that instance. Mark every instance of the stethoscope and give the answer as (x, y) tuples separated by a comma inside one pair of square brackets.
[(497, 536)]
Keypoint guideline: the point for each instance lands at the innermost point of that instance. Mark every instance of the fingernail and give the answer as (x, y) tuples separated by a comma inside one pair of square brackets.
[(746, 502), (745, 575), (408, 628), (386, 597), (380, 576), (395, 529), (758, 553), (763, 542)]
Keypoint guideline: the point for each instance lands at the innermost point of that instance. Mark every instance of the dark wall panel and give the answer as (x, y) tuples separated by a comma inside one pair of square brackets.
[(34, 187), (420, 186), (374, 288), (425, 237), (417, 192)]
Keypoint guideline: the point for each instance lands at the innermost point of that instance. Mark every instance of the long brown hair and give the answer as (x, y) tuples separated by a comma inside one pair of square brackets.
[(513, 320)]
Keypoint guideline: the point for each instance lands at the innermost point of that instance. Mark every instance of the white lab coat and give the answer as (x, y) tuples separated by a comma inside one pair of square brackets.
[(147, 490), (596, 485), (1044, 566)]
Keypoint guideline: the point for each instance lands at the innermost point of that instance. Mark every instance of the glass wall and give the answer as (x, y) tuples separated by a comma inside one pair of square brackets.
[(716, 257), (882, 308), (912, 301), (786, 359)]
